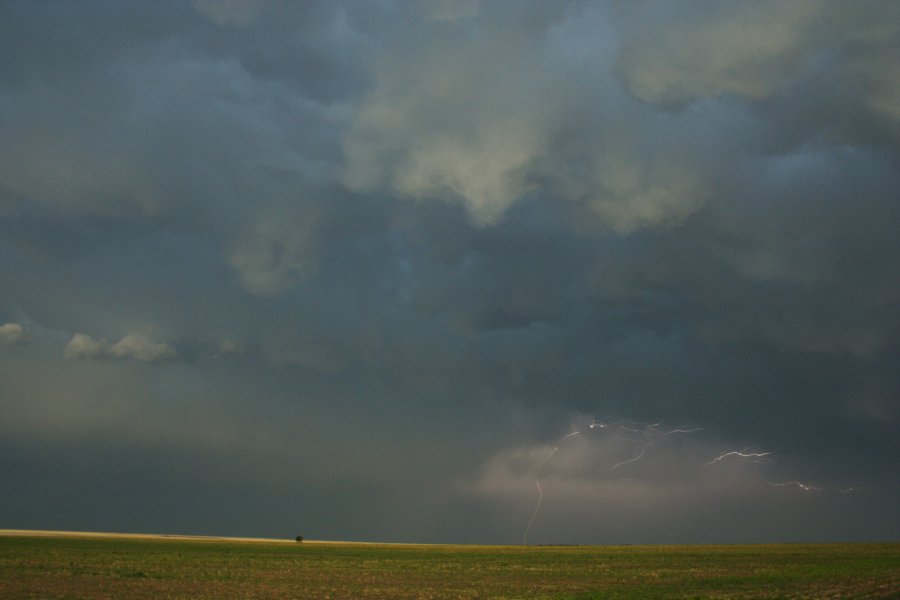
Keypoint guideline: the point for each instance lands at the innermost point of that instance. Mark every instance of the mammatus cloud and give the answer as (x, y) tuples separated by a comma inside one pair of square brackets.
[(489, 120), (133, 346), (402, 139), (13, 333)]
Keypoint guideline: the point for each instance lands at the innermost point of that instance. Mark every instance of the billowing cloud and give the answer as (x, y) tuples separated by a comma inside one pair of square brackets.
[(13, 333), (432, 129), (83, 345), (133, 346), (750, 50), (731, 48), (138, 347)]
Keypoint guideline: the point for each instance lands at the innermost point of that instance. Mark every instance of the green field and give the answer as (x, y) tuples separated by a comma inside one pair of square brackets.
[(69, 567)]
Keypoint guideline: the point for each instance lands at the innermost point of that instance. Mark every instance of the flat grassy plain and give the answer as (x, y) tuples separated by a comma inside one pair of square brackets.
[(124, 567)]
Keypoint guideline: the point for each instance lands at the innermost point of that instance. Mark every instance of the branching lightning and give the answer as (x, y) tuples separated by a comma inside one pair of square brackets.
[(806, 487), (671, 431), (743, 455), (640, 433), (803, 486), (646, 436)]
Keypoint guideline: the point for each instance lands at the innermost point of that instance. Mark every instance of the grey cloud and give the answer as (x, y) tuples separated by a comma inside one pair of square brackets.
[(448, 10), (384, 250), (277, 253), (230, 12), (730, 48), (752, 50)]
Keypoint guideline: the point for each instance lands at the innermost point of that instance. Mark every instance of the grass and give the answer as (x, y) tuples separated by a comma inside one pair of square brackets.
[(68, 567)]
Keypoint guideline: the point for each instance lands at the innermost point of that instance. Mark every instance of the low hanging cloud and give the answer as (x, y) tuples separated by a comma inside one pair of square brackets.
[(13, 333), (133, 346), (276, 255), (729, 47), (486, 121), (758, 50)]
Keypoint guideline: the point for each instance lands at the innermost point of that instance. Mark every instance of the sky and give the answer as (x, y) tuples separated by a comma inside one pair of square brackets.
[(357, 270)]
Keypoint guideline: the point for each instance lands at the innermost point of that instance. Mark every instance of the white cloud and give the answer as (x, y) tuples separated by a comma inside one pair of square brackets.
[(138, 347), (13, 333), (84, 346), (133, 346), (407, 137)]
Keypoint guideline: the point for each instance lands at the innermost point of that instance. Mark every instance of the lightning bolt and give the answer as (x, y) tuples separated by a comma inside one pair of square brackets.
[(756, 457), (540, 499), (630, 431), (646, 435), (631, 460), (812, 488), (803, 486), (537, 509), (671, 431)]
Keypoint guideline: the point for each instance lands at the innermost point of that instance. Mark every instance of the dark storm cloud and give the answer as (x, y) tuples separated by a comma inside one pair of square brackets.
[(299, 254)]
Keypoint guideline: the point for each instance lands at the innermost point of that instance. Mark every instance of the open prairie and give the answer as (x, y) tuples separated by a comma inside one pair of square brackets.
[(105, 566)]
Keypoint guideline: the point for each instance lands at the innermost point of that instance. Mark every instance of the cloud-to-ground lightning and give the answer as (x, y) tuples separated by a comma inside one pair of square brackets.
[(646, 435), (630, 431), (537, 507)]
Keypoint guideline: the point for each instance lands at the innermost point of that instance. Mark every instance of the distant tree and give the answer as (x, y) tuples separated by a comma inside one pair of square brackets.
[(299, 538)]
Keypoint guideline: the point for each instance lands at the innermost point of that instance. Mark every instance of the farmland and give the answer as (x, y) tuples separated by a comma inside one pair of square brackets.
[(72, 567)]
